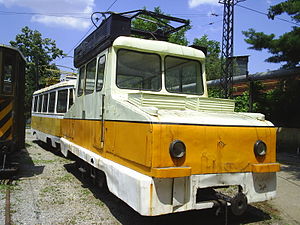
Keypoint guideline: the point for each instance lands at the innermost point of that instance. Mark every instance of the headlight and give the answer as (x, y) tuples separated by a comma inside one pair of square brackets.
[(177, 149), (260, 148)]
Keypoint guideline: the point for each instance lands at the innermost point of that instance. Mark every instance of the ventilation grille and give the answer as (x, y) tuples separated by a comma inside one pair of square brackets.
[(178, 102)]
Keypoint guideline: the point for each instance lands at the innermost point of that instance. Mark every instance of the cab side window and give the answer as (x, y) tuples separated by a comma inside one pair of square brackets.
[(81, 81), (71, 97), (90, 77), (100, 73)]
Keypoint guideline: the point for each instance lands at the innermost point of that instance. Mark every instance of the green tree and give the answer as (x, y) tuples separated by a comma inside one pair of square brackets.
[(39, 53), (286, 47), (213, 61), (283, 103), (146, 24)]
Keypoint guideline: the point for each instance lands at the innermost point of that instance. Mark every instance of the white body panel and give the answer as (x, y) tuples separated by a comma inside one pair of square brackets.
[(156, 196), (55, 141)]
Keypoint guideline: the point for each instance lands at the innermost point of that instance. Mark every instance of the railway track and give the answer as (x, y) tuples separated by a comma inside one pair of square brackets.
[(7, 183)]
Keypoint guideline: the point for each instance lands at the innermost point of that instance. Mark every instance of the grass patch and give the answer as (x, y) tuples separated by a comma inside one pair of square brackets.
[(49, 190), (66, 178), (85, 192), (43, 161), (65, 160), (12, 187), (3, 188), (99, 203)]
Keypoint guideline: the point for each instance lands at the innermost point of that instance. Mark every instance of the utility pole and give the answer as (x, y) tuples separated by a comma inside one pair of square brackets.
[(227, 46)]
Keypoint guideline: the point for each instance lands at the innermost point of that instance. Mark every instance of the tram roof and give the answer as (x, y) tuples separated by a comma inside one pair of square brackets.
[(15, 49), (155, 46), (55, 86)]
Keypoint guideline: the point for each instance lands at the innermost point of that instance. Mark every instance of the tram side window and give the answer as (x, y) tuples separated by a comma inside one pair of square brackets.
[(71, 97), (40, 103), (81, 81), (8, 75), (35, 103), (51, 102), (62, 101), (45, 102), (100, 73), (90, 77)]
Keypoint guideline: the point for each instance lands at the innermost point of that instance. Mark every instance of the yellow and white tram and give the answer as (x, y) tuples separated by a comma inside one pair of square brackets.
[(48, 108), (142, 116)]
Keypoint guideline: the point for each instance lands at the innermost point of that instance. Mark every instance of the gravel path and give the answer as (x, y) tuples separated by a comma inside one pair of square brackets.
[(288, 187), (49, 193), (50, 190)]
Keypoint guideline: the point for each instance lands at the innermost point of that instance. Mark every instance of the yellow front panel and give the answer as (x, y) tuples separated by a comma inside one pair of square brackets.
[(214, 149), (48, 125), (145, 147)]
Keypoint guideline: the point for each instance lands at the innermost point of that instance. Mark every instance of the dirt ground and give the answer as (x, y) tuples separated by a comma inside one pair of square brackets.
[(50, 190)]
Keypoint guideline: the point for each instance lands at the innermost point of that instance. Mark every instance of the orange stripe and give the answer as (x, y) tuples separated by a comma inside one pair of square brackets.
[(145, 147), (6, 110), (5, 127)]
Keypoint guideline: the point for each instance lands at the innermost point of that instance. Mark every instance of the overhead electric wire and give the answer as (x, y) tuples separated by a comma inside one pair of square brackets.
[(254, 10), (111, 5), (42, 14), (215, 22), (211, 23), (80, 39)]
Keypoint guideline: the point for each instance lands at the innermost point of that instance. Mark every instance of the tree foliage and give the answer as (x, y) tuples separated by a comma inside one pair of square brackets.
[(291, 7), (280, 105), (213, 61), (146, 24), (39, 53), (286, 47)]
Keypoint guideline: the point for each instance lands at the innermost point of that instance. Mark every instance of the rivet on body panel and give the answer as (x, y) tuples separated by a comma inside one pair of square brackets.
[(221, 144)]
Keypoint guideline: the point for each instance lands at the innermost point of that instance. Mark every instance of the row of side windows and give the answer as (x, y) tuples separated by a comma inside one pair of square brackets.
[(53, 101), (91, 76)]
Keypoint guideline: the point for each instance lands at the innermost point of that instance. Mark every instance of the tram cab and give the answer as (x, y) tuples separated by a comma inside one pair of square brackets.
[(142, 116)]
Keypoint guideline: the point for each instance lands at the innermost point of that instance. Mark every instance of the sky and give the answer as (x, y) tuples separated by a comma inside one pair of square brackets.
[(68, 21)]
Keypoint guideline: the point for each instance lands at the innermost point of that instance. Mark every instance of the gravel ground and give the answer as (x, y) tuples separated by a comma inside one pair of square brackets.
[(288, 191), (50, 190)]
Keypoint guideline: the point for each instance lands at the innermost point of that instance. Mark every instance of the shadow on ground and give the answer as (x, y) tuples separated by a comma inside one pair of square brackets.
[(27, 168), (290, 163), (127, 216)]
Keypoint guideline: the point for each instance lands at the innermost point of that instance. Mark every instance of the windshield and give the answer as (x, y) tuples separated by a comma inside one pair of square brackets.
[(142, 71), (183, 76), (137, 70)]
